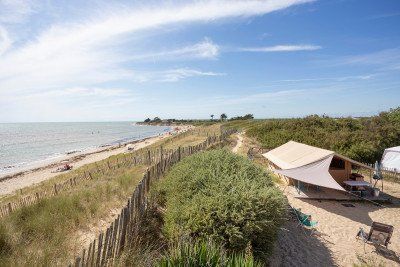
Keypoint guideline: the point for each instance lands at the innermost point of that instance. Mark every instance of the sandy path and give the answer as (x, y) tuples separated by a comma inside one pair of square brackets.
[(239, 143), (36, 176)]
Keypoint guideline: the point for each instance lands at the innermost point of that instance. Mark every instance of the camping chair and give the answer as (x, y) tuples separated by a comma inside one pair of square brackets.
[(379, 234), (304, 220)]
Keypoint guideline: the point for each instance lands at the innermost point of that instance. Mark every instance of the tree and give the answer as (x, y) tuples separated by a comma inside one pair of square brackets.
[(223, 116), (156, 119), (248, 117), (212, 117), (147, 120)]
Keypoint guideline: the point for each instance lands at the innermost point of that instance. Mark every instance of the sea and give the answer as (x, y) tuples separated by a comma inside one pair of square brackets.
[(28, 145)]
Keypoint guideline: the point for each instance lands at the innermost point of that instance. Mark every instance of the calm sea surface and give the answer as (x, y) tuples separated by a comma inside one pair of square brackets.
[(25, 144)]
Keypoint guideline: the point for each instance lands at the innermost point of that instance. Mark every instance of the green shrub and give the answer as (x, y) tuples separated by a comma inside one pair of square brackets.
[(363, 139), (202, 253), (225, 197)]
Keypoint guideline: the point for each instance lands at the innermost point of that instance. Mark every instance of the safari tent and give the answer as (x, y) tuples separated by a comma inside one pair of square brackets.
[(313, 165), (391, 158)]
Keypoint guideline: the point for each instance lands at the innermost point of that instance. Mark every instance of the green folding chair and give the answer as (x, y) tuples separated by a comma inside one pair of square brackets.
[(304, 220)]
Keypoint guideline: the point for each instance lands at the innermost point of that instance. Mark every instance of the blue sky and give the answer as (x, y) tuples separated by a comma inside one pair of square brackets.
[(117, 60)]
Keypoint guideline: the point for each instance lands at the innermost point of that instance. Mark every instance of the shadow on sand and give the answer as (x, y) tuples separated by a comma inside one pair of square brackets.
[(359, 213), (295, 247)]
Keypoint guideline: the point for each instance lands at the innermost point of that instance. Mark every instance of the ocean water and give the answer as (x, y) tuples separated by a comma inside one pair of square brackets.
[(28, 144)]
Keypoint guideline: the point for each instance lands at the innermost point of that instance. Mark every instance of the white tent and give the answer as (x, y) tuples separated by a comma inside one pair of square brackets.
[(306, 163), (391, 158)]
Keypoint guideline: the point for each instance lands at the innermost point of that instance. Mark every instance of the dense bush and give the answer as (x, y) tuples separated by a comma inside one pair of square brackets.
[(224, 197), (363, 139), (203, 253)]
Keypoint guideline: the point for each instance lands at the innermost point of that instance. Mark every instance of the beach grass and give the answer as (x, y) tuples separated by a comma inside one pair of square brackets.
[(120, 160), (45, 233), (48, 232), (190, 138)]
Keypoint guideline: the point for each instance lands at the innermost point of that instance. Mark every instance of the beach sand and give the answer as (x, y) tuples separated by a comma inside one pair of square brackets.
[(335, 243), (12, 183)]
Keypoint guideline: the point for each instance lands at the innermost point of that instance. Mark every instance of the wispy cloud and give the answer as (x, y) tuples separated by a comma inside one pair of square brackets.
[(386, 15), (173, 75), (86, 52), (5, 41), (280, 48), (205, 49), (387, 59), (339, 79), (15, 11)]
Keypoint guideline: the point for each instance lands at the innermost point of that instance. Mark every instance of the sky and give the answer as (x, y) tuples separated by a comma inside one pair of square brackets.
[(128, 60)]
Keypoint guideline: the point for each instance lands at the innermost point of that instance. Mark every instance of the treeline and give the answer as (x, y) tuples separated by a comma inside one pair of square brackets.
[(222, 117), (362, 139)]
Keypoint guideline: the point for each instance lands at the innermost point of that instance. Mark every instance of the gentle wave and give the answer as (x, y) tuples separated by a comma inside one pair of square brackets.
[(26, 145)]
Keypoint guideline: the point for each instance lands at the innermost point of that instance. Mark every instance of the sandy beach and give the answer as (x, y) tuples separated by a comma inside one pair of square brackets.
[(12, 183), (335, 242)]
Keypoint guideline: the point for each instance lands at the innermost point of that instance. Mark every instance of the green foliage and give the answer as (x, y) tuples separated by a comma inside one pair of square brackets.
[(223, 116), (5, 241), (225, 197), (204, 253), (362, 139), (245, 117)]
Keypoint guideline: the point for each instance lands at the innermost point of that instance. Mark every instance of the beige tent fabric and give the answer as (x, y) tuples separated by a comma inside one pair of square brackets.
[(316, 173), (293, 155), (304, 163)]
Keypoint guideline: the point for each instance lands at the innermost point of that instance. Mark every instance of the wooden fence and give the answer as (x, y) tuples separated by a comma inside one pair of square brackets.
[(110, 243), (140, 157), (389, 174)]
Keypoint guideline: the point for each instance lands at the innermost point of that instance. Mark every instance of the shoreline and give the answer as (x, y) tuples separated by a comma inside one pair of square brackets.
[(19, 180)]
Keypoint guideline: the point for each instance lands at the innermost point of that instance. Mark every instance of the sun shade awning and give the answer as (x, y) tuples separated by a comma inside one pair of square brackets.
[(316, 173), (304, 163)]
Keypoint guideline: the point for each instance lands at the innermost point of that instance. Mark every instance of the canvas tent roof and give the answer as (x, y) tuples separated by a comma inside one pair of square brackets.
[(306, 163), (293, 154), (391, 158)]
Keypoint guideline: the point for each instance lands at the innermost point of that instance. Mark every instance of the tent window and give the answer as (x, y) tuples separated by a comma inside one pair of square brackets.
[(337, 164)]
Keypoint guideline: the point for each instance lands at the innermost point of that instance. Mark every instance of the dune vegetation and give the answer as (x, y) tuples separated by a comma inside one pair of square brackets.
[(49, 231), (44, 233), (362, 139), (224, 197)]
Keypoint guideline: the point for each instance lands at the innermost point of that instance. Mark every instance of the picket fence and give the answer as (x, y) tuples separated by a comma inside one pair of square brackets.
[(108, 246)]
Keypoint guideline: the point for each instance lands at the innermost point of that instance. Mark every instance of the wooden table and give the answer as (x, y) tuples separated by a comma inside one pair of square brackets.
[(351, 184)]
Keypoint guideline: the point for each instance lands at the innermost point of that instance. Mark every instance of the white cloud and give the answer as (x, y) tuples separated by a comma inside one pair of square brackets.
[(205, 49), (339, 79), (173, 75), (384, 60), (280, 48), (282, 95), (86, 52), (5, 41), (388, 57), (15, 11)]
